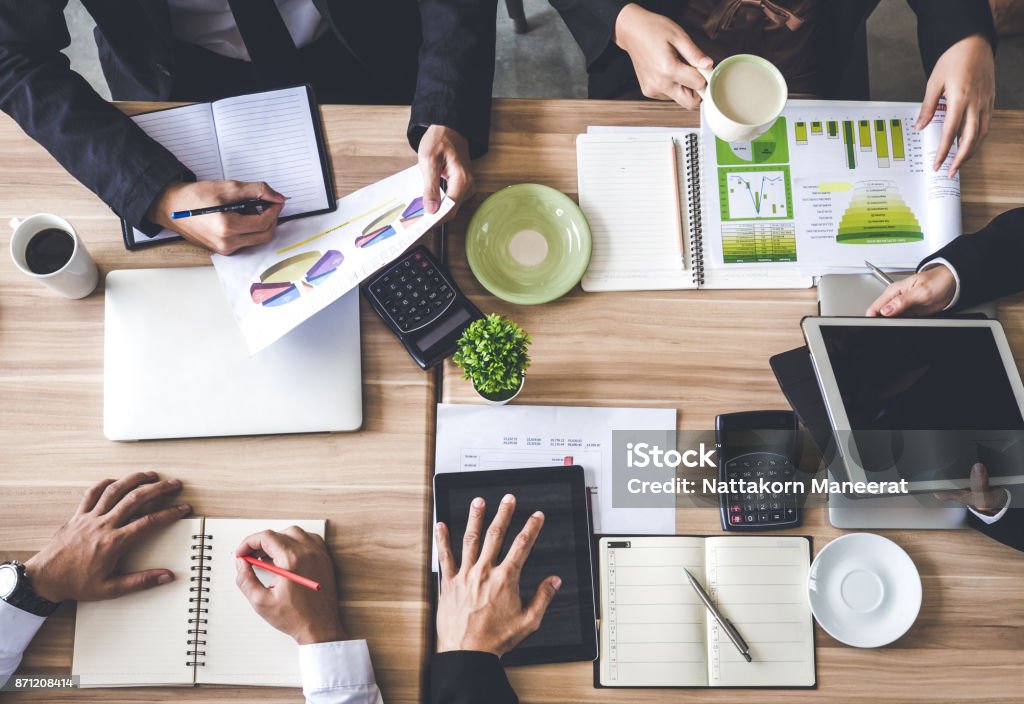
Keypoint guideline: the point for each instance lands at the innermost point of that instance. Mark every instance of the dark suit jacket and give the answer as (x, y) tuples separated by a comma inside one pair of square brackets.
[(990, 265), (111, 156), (467, 677), (940, 24)]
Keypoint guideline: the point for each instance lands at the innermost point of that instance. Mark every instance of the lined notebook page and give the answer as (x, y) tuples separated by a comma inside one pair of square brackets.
[(760, 584), (270, 137), (652, 622), (241, 648), (189, 134), (140, 639), (632, 190)]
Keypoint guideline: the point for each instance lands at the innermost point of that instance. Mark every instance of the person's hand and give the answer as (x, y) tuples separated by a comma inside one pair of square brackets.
[(663, 55), (306, 615), (966, 76), (924, 293), (444, 153), (979, 495), (81, 561), (480, 607), (223, 233)]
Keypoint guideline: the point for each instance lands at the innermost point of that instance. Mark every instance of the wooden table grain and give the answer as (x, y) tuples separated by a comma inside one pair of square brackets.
[(699, 352)]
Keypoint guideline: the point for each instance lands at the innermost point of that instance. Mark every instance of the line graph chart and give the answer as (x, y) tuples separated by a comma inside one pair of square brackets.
[(755, 194)]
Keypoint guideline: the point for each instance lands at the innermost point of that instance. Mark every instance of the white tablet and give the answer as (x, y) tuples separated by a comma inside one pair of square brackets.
[(920, 399)]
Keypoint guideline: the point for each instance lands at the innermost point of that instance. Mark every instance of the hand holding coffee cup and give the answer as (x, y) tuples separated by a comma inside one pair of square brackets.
[(744, 96), (46, 248)]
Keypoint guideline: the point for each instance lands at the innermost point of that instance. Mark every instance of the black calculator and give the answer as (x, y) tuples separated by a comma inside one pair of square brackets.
[(761, 451), (421, 304)]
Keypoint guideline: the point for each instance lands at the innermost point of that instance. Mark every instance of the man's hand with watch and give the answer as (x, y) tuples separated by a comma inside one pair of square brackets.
[(81, 561)]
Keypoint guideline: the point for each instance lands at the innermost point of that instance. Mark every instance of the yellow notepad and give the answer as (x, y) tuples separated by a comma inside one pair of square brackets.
[(655, 631), (168, 636)]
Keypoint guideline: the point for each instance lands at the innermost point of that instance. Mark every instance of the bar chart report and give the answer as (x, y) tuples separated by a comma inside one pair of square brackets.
[(868, 142)]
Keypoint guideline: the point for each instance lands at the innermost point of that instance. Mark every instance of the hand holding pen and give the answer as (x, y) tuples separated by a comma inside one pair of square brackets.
[(226, 228)]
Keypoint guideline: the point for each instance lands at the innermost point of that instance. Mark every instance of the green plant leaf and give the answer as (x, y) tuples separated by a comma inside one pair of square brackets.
[(493, 354)]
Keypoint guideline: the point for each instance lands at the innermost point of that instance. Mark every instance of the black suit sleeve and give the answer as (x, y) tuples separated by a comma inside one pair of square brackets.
[(456, 70), (989, 263), (1008, 530), (592, 23), (90, 138), (467, 677), (942, 23)]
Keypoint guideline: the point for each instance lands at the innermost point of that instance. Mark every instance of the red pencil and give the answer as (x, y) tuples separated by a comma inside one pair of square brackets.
[(281, 572)]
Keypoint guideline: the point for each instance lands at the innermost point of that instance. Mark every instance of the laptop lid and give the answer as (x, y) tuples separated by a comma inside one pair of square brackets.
[(176, 364)]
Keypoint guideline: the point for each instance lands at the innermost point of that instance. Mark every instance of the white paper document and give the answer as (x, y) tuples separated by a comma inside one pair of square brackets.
[(472, 438), (314, 261)]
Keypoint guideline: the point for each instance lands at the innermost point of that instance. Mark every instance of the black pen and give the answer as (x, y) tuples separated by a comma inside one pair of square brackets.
[(253, 203)]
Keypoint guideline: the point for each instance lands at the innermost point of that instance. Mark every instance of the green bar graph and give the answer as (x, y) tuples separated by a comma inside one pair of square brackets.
[(865, 135), (851, 153), (881, 144), (833, 129), (896, 132), (801, 132)]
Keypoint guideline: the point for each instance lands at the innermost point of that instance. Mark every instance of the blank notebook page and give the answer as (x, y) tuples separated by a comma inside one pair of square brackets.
[(141, 639), (652, 622), (242, 648), (628, 186), (760, 584), (270, 137)]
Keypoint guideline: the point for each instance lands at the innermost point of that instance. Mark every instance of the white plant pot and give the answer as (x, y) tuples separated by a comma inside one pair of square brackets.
[(491, 402)]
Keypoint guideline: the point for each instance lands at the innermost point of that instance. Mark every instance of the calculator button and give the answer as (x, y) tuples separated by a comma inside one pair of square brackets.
[(750, 518), (735, 509), (776, 516), (449, 295), (790, 513), (378, 289), (762, 517), (737, 518), (414, 295), (417, 319)]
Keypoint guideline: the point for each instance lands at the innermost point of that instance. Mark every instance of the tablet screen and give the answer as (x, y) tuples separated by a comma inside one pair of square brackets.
[(945, 388), (562, 549)]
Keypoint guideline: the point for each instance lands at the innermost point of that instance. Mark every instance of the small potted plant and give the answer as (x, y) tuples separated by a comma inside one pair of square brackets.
[(492, 353)]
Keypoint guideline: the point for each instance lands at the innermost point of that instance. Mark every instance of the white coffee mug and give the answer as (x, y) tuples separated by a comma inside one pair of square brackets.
[(77, 278), (758, 96)]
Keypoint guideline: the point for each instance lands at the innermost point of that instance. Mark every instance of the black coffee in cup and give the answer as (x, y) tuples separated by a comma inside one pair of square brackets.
[(49, 250)]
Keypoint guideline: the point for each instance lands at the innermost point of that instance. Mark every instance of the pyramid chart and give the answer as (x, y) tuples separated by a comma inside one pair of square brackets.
[(877, 214)]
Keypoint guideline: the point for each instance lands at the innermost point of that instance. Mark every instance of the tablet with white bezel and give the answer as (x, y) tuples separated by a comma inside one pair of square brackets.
[(920, 400)]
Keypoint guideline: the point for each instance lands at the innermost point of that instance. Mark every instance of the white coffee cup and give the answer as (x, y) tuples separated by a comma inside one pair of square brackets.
[(744, 96), (79, 275)]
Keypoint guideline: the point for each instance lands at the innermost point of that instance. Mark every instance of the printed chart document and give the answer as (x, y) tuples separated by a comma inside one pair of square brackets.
[(313, 262), (655, 631), (199, 629), (473, 438), (272, 136)]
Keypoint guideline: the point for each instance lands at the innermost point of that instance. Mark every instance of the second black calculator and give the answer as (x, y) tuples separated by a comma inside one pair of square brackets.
[(421, 304), (759, 455)]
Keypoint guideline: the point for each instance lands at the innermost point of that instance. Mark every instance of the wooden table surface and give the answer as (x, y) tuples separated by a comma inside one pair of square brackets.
[(699, 352)]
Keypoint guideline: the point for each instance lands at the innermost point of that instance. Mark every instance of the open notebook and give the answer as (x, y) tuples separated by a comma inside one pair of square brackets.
[(655, 631), (274, 137), (168, 636), (828, 186)]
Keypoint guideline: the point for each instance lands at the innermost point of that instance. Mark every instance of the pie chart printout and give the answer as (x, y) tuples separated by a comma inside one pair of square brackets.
[(277, 285)]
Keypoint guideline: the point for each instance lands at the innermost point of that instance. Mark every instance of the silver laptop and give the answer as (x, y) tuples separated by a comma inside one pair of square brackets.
[(176, 364)]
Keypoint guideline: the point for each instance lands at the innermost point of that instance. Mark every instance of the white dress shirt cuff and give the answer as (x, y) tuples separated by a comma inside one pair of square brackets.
[(17, 629), (993, 518), (338, 672), (939, 261)]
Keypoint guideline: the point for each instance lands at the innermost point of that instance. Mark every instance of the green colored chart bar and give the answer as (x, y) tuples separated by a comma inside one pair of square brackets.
[(881, 144), (851, 153), (833, 129), (801, 132), (865, 135), (815, 128), (896, 132)]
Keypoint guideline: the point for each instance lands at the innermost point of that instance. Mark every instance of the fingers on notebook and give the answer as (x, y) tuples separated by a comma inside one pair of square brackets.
[(155, 521), (524, 542), (280, 548), (248, 582), (136, 582), (496, 532)]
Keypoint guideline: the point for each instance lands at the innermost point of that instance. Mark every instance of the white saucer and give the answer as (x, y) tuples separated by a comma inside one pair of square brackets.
[(864, 590)]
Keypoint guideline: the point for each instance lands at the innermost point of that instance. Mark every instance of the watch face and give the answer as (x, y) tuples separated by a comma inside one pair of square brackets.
[(8, 580)]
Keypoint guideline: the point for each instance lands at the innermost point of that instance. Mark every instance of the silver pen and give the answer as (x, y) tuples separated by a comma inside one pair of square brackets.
[(884, 278), (726, 624)]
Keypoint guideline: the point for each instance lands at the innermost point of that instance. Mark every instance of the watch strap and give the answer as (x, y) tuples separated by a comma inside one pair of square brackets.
[(24, 595)]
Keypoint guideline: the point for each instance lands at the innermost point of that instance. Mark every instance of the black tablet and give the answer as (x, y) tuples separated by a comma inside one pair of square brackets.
[(569, 630)]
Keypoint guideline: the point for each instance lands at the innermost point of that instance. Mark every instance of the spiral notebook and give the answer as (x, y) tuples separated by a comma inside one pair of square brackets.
[(199, 629), (641, 193)]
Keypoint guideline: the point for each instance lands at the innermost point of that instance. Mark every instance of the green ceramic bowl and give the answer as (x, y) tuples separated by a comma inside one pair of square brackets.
[(528, 244)]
